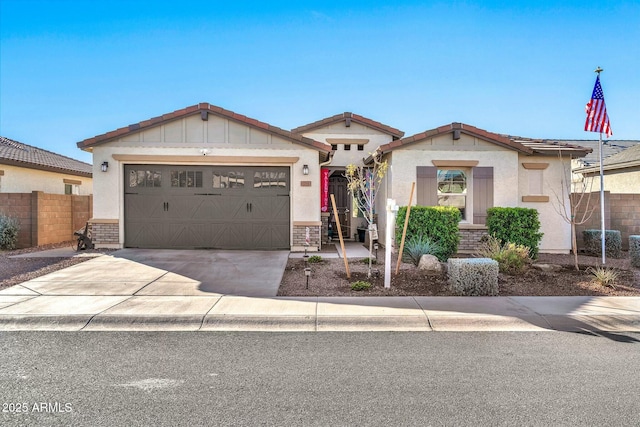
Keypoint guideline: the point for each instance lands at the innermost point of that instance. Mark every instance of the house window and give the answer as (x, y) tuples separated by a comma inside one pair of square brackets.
[(72, 189), (347, 147), (360, 147), (334, 147), (470, 189), (452, 189)]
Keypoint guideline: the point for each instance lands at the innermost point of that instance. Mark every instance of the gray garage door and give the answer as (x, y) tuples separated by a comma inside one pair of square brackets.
[(221, 207)]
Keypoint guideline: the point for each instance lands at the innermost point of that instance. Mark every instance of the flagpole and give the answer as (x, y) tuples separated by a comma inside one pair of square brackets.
[(602, 227)]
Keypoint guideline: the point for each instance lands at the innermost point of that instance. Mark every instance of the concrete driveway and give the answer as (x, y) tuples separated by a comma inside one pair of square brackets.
[(169, 272)]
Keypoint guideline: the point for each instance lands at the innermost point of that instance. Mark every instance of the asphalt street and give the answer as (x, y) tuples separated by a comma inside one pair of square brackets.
[(333, 378)]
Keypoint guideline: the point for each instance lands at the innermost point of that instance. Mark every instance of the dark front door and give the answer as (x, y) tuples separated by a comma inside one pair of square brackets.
[(222, 207), (338, 187)]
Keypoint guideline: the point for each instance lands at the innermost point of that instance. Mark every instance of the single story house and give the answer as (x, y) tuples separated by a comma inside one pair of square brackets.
[(25, 168), (206, 177)]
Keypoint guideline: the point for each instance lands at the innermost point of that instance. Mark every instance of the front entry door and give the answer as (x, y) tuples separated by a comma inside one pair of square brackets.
[(338, 187)]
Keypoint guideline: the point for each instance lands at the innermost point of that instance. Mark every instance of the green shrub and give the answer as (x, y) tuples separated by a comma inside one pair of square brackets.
[(417, 246), (612, 241), (360, 285), (9, 228), (511, 258), (473, 276), (634, 250), (437, 223), (520, 226), (314, 259), (604, 276)]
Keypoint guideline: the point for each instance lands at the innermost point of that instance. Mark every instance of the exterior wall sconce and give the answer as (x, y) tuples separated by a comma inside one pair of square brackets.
[(305, 170), (104, 166)]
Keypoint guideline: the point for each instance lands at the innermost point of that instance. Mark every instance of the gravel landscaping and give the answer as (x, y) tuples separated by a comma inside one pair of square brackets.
[(328, 278)]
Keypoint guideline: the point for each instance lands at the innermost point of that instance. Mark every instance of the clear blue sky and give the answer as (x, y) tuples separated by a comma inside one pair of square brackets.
[(74, 69)]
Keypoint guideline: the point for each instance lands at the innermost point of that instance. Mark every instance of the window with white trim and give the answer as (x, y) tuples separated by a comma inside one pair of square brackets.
[(452, 189)]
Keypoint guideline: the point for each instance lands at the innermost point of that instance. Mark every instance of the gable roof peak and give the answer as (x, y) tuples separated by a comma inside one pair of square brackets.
[(349, 117), (204, 108)]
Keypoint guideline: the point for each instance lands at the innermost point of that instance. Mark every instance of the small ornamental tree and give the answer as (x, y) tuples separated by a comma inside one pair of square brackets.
[(573, 204), (363, 183)]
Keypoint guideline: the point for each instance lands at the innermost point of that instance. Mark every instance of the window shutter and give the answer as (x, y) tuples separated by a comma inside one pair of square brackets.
[(427, 186), (482, 193)]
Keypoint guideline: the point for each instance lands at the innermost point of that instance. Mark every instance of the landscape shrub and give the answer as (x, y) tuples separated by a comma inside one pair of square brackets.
[(419, 245), (314, 259), (612, 242), (520, 226), (511, 258), (604, 276), (9, 228), (360, 285), (437, 223), (634, 250), (473, 276)]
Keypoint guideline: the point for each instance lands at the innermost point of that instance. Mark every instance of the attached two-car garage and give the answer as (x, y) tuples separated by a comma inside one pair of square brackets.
[(207, 206)]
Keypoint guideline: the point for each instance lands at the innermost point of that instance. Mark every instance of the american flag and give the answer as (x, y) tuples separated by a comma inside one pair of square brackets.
[(597, 117)]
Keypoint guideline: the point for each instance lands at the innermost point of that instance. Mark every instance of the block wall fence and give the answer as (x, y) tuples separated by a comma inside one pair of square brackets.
[(46, 218)]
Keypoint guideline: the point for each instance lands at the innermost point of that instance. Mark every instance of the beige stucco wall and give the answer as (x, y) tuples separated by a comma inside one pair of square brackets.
[(557, 231), (623, 181), (187, 137), (23, 180)]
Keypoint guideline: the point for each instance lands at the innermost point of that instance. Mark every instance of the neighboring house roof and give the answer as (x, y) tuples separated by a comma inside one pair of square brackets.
[(609, 148), (629, 158), (348, 118), (27, 156), (202, 108)]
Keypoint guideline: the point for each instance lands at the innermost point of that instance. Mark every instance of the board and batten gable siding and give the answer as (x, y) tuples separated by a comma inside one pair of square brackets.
[(192, 130)]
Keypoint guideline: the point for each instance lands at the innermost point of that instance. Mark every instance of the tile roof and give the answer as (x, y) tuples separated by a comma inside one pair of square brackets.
[(610, 147), (628, 158), (18, 154), (396, 133), (496, 138), (198, 108), (553, 146)]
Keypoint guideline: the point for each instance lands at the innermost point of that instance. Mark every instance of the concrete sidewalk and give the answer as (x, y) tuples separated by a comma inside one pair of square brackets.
[(162, 290)]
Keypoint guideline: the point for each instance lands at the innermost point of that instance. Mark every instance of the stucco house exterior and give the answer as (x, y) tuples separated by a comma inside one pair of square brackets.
[(488, 170), (207, 177), (25, 168)]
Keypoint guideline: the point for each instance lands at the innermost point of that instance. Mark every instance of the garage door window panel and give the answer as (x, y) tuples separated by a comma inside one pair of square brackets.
[(269, 179), (145, 178), (186, 178), (228, 179)]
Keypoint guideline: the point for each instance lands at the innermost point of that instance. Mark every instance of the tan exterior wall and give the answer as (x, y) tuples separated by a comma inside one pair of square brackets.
[(46, 218), (24, 180), (623, 181), (557, 231)]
